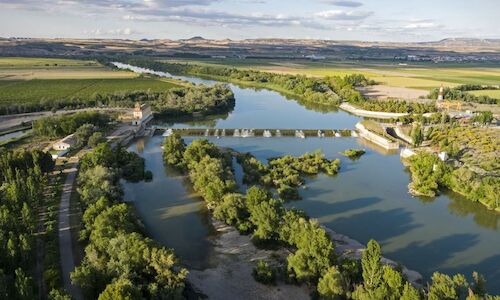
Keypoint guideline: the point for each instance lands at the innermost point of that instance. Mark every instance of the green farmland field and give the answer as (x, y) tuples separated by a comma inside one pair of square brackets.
[(490, 93), (32, 80), (416, 75), (19, 91)]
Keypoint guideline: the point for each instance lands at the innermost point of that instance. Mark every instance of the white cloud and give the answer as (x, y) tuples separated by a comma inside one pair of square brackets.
[(343, 15), (109, 32), (422, 25), (344, 3)]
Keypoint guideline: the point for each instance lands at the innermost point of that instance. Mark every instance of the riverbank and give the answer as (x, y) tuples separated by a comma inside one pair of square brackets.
[(235, 257), (370, 114)]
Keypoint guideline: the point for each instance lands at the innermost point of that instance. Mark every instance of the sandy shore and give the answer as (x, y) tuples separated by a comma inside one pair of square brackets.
[(235, 257)]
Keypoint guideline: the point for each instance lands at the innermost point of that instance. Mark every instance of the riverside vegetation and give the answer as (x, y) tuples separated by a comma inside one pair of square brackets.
[(473, 167), (23, 178), (120, 262), (461, 93), (169, 100), (329, 91), (312, 259)]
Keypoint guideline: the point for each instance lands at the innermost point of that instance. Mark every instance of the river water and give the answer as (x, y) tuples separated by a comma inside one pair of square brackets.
[(367, 199)]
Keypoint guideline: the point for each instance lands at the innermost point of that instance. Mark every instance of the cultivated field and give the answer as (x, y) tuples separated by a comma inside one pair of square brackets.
[(490, 93), (413, 75), (50, 68), (37, 79)]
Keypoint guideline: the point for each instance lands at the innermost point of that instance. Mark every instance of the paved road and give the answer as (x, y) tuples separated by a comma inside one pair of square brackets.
[(65, 246)]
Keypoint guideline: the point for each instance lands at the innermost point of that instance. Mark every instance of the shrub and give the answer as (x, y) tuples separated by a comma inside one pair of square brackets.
[(263, 273)]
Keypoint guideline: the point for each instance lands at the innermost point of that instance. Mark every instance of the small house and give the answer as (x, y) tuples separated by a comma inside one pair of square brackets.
[(65, 143)]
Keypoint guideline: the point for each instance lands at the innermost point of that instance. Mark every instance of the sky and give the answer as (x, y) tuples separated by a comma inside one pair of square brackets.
[(366, 20)]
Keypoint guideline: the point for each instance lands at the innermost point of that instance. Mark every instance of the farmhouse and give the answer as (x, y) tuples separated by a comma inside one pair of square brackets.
[(65, 143), (142, 114)]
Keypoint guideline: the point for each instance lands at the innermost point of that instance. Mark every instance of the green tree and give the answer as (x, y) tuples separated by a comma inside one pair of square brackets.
[(121, 289), (58, 295), (446, 287), (372, 269), (173, 151), (314, 253), (263, 273), (266, 218), (410, 293), (24, 285), (332, 285), (483, 117), (255, 196), (417, 135), (95, 139), (232, 211)]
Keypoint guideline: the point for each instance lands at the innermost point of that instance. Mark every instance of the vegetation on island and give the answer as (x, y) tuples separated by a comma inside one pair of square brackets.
[(461, 93), (353, 153), (285, 174), (120, 262), (23, 183), (312, 258)]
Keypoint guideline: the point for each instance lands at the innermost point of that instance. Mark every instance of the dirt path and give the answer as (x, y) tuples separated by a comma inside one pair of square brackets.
[(65, 243)]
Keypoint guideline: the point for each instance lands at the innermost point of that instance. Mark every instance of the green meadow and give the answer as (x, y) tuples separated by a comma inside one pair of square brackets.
[(33, 80)]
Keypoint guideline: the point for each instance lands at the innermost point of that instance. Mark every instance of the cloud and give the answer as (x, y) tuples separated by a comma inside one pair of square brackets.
[(110, 32), (344, 3), (343, 15), (422, 25)]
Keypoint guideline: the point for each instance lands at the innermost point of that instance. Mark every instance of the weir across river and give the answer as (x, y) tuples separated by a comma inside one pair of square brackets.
[(244, 132)]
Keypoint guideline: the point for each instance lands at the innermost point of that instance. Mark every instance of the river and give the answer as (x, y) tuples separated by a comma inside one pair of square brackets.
[(367, 199)]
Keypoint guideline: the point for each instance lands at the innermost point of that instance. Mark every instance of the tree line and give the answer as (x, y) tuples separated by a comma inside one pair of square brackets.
[(23, 177), (120, 261), (175, 101), (312, 258), (460, 93), (60, 126), (323, 91)]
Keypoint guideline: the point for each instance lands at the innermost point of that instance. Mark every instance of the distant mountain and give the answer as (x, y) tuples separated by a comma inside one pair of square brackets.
[(465, 42), (194, 39)]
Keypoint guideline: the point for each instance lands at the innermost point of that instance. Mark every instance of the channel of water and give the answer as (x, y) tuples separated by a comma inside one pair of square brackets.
[(367, 199)]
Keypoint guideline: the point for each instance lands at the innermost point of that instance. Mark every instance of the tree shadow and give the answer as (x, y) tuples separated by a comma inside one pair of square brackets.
[(430, 257), (318, 209), (375, 224)]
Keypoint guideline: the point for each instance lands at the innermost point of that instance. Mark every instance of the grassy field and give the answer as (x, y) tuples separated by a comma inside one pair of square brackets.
[(424, 76), (14, 91), (50, 68), (35, 79), (491, 93)]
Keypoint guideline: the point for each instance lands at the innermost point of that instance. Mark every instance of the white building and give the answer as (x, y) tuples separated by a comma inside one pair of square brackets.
[(142, 114), (65, 143)]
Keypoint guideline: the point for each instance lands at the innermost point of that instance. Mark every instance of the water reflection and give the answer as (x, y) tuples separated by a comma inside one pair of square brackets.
[(173, 214)]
